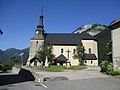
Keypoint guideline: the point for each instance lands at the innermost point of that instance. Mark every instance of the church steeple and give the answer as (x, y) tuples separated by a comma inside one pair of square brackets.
[(40, 26)]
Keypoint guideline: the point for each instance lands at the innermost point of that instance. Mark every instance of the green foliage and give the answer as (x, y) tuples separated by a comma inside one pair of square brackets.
[(94, 25), (103, 38), (115, 73), (5, 68), (44, 51), (60, 68), (109, 47), (79, 67), (108, 51), (79, 54), (13, 61), (106, 66), (52, 68)]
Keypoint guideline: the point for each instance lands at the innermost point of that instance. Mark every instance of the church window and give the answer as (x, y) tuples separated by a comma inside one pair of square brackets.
[(74, 50), (89, 50), (91, 62), (36, 42), (62, 50)]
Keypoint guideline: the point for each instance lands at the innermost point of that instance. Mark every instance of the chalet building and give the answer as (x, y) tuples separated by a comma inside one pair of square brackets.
[(115, 26), (64, 46)]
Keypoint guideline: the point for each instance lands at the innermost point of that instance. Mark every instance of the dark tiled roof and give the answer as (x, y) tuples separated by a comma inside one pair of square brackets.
[(90, 57), (67, 38), (33, 59), (61, 58), (115, 21), (37, 37)]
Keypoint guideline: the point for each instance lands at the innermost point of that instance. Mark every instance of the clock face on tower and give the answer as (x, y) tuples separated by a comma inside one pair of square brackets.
[(36, 32)]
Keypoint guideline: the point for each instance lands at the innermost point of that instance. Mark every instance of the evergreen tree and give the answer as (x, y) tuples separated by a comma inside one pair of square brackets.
[(45, 50), (79, 54)]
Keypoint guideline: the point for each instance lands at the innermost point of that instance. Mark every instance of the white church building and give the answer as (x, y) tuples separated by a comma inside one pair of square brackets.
[(64, 46)]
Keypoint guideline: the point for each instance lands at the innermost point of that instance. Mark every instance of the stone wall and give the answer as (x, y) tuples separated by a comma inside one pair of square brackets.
[(116, 48), (28, 74)]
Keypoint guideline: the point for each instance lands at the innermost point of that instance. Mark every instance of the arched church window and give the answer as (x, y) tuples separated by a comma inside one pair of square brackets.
[(36, 42), (91, 62), (89, 50), (74, 50), (85, 61), (62, 50)]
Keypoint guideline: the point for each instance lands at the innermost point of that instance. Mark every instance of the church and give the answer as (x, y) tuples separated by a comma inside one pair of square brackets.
[(64, 46)]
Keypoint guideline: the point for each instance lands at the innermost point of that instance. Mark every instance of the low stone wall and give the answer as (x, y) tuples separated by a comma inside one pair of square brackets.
[(15, 70), (27, 74)]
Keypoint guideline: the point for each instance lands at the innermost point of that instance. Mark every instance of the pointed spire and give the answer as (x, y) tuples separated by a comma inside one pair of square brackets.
[(41, 18), (40, 26)]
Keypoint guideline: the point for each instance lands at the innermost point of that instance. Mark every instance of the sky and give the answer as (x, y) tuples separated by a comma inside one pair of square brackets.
[(19, 18)]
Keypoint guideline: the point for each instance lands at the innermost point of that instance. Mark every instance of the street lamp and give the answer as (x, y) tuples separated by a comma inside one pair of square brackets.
[(21, 59)]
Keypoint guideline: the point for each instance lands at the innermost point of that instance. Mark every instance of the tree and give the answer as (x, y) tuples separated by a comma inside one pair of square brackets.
[(45, 50), (109, 51), (79, 54), (14, 59)]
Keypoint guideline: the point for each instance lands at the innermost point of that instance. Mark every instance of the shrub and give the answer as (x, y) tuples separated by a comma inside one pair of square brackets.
[(5, 68), (106, 66), (115, 73)]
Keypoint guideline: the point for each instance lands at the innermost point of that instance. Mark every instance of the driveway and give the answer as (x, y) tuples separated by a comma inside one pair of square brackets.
[(89, 79), (90, 72)]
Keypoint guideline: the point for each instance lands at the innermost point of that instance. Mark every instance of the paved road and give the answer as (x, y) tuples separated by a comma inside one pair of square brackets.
[(90, 72), (89, 79)]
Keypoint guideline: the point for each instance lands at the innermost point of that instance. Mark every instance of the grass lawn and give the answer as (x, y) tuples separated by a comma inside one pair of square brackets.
[(60, 68), (78, 67)]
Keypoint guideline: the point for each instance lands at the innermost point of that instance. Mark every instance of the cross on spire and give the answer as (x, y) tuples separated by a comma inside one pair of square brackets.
[(41, 19), (42, 11)]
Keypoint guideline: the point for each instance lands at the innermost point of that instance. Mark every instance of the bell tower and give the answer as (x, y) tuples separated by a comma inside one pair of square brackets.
[(40, 27), (37, 39)]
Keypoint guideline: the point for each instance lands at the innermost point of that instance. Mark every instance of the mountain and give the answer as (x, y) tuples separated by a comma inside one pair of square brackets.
[(2, 56), (23, 55), (92, 29), (102, 34), (20, 54), (10, 52)]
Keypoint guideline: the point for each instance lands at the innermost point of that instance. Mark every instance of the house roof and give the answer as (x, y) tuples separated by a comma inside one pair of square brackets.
[(115, 21), (61, 58), (114, 24), (90, 57), (33, 59), (67, 38)]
